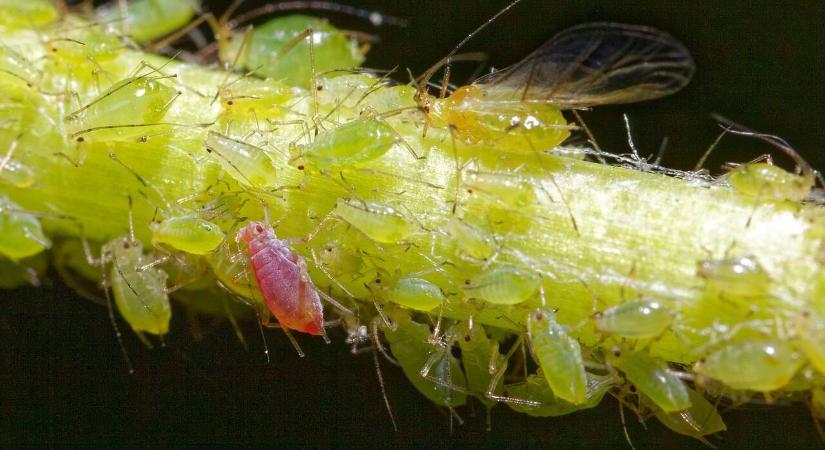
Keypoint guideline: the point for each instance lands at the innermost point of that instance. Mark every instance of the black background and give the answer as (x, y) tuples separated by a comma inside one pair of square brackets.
[(62, 378)]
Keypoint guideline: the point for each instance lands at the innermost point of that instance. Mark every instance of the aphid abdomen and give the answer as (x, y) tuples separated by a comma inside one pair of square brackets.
[(642, 319), (354, 142), (188, 233), (282, 277), (140, 295), (379, 222), (503, 285), (21, 235), (247, 164), (559, 356), (415, 293), (757, 365), (653, 378)]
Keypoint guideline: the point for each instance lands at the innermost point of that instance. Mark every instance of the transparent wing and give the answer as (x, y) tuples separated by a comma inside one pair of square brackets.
[(595, 64)]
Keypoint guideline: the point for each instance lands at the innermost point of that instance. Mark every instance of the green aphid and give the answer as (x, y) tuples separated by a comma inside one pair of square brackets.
[(471, 240), (250, 99), (640, 319), (249, 165), (513, 190), (414, 293), (379, 222), (21, 235), (139, 291), (15, 173), (446, 383), (76, 43), (769, 182), (503, 285), (355, 142), (757, 365), (478, 353), (698, 421), (145, 20), (652, 377), (188, 233), (125, 110), (559, 356), (267, 55), (738, 277), (543, 402)]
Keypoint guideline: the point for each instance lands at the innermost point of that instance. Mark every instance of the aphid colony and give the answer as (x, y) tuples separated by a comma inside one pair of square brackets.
[(425, 208)]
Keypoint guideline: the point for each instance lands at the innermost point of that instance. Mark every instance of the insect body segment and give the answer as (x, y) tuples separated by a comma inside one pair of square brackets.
[(757, 365), (21, 235), (766, 181), (653, 378), (415, 293), (641, 319), (379, 222), (139, 291), (503, 285), (16, 173), (559, 356), (247, 164), (282, 277), (187, 233), (355, 142)]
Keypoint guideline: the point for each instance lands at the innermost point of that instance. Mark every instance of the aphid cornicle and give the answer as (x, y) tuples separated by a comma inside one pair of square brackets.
[(283, 281), (519, 107), (559, 356)]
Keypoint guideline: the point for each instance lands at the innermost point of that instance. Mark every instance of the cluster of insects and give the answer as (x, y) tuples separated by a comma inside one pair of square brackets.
[(283, 213)]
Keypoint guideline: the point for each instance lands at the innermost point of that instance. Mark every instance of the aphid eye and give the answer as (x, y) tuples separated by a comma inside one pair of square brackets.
[(230, 102), (320, 87), (259, 229), (617, 353), (377, 281), (301, 167), (126, 244), (539, 316), (80, 139), (466, 338)]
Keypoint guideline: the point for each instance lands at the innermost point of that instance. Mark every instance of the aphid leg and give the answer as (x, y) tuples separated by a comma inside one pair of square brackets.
[(228, 311), (383, 388), (255, 310), (624, 425), (590, 136), (110, 309), (376, 339), (497, 366), (269, 324)]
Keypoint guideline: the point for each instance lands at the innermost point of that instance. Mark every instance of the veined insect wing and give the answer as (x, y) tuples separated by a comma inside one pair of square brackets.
[(595, 64)]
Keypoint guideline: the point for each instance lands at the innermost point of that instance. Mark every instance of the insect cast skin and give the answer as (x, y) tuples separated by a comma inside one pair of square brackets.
[(284, 283)]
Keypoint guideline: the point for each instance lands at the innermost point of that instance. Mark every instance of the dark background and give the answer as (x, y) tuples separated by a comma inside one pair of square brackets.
[(62, 378)]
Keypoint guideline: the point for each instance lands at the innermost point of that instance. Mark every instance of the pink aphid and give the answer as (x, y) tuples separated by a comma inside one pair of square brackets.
[(284, 283)]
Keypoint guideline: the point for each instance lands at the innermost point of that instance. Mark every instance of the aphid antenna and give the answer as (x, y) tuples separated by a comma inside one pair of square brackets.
[(383, 388), (255, 310), (110, 309), (377, 341)]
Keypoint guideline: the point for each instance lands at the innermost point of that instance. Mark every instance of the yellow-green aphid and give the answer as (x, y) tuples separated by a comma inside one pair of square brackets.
[(410, 347), (265, 53), (700, 420), (139, 292), (355, 142), (559, 355), (811, 340), (741, 277), (144, 20), (510, 189), (471, 240), (379, 222), (536, 390), (503, 285), (652, 377), (188, 233), (76, 43), (25, 14), (769, 182), (640, 319), (249, 165), (414, 293), (758, 365), (15, 173), (21, 235), (477, 352), (253, 99), (124, 110)]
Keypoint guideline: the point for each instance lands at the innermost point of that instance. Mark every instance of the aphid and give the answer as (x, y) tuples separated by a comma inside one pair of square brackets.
[(381, 223), (513, 191), (476, 350), (740, 277), (283, 281), (414, 293), (559, 356), (16, 174), (698, 421), (519, 107), (124, 110), (279, 49), (409, 344), (75, 43), (758, 365), (16, 66), (144, 20), (471, 240), (247, 99), (355, 142), (189, 233), (503, 285), (139, 288), (249, 165), (545, 404), (769, 182), (21, 234), (640, 319), (652, 377)]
